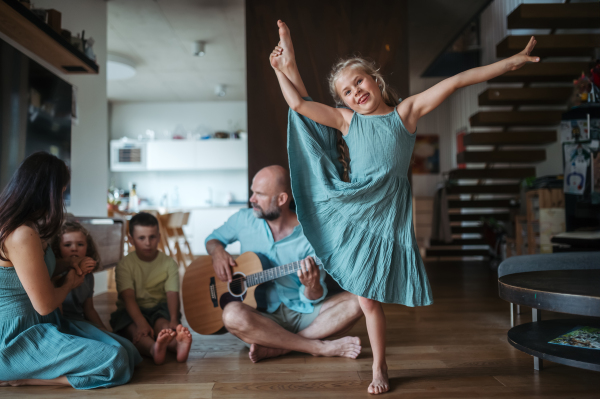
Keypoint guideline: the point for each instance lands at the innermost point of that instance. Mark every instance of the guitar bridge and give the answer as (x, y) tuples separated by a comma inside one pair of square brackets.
[(213, 292)]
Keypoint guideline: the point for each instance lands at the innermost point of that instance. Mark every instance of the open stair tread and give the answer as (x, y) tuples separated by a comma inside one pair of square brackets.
[(476, 217), (458, 241), (569, 45), (555, 16), (511, 138), (484, 189), (525, 96), (544, 72), (497, 173), (457, 252), (487, 203), (516, 118), (511, 156)]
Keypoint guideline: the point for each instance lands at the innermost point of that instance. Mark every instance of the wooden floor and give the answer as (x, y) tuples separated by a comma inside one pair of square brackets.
[(455, 348)]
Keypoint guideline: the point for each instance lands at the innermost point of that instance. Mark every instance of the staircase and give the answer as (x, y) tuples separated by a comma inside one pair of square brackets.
[(497, 160)]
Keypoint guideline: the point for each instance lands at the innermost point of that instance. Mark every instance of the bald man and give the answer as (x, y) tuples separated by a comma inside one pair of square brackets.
[(298, 316)]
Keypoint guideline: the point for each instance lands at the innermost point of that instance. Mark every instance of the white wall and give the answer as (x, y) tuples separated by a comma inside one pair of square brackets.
[(89, 148), (89, 138)]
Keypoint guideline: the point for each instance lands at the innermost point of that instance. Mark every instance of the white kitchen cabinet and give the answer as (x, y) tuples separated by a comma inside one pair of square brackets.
[(168, 155), (221, 154)]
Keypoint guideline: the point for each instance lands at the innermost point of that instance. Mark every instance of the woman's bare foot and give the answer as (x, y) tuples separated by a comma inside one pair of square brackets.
[(258, 352), (380, 383), (344, 347), (159, 349), (184, 343)]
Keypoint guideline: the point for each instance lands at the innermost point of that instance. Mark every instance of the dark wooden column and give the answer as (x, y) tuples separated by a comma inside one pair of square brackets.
[(322, 32)]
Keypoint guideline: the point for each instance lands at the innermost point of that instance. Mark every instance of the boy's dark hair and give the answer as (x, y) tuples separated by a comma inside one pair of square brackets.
[(142, 219)]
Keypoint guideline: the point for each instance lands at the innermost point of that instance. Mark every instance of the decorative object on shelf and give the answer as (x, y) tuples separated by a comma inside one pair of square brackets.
[(29, 28), (586, 88), (426, 158), (221, 135)]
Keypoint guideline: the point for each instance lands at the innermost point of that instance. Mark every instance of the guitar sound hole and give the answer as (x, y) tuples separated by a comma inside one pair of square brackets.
[(238, 285)]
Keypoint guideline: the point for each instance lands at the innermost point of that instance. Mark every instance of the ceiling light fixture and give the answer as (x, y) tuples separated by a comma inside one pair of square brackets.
[(220, 90), (119, 67), (199, 48)]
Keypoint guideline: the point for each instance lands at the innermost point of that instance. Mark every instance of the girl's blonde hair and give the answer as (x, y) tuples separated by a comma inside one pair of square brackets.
[(388, 95), (71, 227)]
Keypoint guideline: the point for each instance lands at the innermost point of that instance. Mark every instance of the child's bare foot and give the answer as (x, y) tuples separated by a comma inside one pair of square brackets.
[(258, 352), (184, 343), (380, 383), (344, 347), (159, 349), (287, 57)]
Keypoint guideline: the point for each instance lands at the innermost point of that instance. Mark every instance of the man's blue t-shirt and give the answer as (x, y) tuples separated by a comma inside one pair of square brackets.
[(255, 235)]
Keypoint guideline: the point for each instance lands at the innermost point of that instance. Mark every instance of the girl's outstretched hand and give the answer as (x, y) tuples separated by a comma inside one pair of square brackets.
[(274, 59), (524, 56)]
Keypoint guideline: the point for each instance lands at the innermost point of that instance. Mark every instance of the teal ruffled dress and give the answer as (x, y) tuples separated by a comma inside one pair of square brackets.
[(47, 347), (362, 230)]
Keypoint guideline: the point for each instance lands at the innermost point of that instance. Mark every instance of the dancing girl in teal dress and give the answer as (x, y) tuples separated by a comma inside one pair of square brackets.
[(358, 217), (37, 345)]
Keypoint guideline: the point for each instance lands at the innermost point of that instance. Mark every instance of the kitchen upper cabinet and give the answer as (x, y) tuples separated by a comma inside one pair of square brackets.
[(179, 155), (221, 154)]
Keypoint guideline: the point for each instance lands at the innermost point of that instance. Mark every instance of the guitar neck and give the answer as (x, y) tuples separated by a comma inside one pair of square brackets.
[(275, 272)]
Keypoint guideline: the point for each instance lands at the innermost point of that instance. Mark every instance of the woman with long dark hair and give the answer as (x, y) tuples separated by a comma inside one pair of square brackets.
[(37, 345)]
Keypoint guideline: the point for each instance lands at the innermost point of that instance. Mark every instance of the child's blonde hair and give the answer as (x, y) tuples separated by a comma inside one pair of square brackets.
[(388, 95), (71, 227)]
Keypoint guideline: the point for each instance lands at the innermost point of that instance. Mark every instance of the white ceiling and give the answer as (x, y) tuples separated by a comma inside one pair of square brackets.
[(158, 35)]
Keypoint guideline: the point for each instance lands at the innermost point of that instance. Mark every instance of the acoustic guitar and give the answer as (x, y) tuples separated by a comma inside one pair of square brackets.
[(205, 296)]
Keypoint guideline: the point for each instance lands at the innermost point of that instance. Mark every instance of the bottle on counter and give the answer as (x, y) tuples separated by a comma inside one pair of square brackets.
[(134, 202)]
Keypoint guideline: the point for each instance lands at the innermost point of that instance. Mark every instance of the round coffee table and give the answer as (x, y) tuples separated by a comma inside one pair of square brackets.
[(566, 291)]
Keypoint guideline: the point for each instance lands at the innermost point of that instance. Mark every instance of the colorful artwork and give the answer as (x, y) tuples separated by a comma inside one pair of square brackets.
[(426, 156), (580, 337), (577, 160)]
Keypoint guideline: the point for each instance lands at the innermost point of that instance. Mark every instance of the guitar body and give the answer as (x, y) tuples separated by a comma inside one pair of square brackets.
[(205, 296)]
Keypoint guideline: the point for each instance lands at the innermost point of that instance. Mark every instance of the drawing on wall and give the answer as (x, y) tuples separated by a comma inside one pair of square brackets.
[(426, 155), (577, 160)]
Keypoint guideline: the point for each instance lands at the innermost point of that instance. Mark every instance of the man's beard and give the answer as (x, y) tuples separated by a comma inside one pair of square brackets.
[(270, 214)]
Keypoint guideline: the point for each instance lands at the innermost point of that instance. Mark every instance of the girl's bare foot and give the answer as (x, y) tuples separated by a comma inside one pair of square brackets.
[(258, 352), (159, 349), (287, 57), (380, 383), (344, 347), (184, 343)]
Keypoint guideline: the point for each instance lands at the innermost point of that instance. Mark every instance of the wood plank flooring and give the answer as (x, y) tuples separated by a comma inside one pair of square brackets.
[(455, 348)]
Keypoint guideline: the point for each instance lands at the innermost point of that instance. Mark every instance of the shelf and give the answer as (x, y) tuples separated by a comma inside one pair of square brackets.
[(22, 26), (532, 338)]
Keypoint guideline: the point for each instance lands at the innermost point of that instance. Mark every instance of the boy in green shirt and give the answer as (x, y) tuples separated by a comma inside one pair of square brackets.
[(148, 285)]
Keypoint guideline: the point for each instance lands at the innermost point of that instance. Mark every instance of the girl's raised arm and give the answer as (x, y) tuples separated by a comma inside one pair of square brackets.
[(283, 61), (421, 104)]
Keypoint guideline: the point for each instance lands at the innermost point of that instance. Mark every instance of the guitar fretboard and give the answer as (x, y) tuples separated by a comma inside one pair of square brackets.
[(276, 272)]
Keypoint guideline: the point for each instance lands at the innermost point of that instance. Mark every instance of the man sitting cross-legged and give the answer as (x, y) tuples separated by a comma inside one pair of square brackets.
[(297, 317)]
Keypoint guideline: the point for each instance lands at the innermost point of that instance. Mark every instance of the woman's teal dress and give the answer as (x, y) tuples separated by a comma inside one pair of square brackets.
[(47, 347), (362, 230)]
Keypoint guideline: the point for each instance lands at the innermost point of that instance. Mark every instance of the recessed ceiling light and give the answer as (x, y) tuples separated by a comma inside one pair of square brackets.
[(119, 67), (199, 48), (220, 90)]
